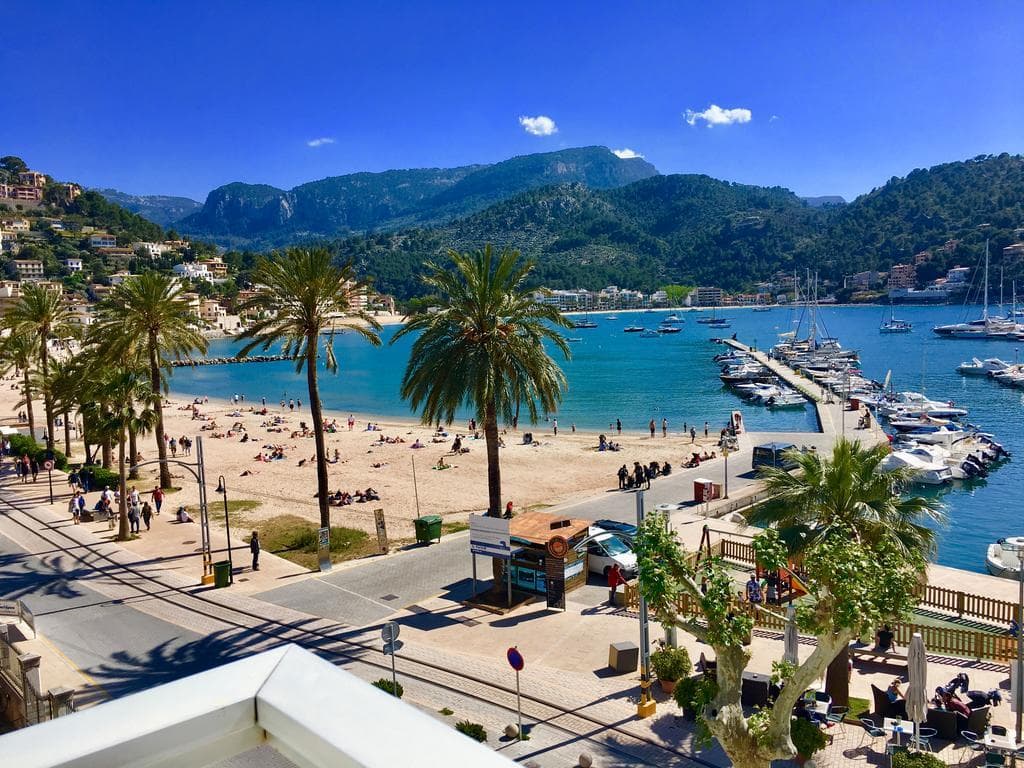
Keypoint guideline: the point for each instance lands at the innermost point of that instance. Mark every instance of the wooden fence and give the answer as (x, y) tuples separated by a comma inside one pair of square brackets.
[(944, 641), (949, 601)]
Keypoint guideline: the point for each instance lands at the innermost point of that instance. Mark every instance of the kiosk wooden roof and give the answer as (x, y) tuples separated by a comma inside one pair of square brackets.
[(539, 527)]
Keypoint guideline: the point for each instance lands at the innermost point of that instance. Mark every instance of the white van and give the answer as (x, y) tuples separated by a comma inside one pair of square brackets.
[(608, 549)]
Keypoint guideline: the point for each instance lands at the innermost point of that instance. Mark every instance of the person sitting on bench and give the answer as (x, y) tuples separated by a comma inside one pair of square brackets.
[(884, 640)]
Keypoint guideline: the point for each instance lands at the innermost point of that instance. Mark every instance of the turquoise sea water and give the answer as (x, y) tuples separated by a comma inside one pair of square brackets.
[(617, 375)]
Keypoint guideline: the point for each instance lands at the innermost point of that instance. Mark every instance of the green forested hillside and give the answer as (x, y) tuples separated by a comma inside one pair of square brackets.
[(255, 215), (697, 230)]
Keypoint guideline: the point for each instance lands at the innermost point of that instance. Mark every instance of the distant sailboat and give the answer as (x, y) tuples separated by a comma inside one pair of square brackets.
[(892, 325)]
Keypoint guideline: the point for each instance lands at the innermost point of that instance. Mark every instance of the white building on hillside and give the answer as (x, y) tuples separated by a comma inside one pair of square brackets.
[(73, 265), (192, 271)]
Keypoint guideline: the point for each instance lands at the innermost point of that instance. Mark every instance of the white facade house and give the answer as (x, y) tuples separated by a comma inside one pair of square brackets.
[(73, 265), (17, 225), (151, 250), (191, 271), (303, 710)]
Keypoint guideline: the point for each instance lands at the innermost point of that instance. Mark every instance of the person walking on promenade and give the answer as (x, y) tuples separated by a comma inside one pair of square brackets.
[(664, 427), (650, 426), (147, 514), (623, 474), (158, 498), (19, 468), (73, 508), (74, 481), (35, 469), (614, 579), (133, 518), (254, 547)]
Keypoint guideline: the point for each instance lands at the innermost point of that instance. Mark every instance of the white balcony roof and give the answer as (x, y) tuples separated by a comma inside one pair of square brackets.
[(309, 712)]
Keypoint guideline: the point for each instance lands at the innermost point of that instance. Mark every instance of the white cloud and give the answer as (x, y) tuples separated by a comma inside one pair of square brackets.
[(715, 115), (541, 125), (626, 153), (773, 118), (319, 142)]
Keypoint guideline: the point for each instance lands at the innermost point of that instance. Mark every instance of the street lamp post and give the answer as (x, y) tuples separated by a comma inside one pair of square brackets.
[(1018, 694), (222, 489), (198, 471), (647, 705), (725, 453)]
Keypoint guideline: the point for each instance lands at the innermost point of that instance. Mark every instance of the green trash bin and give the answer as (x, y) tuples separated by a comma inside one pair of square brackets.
[(221, 574), (428, 528)]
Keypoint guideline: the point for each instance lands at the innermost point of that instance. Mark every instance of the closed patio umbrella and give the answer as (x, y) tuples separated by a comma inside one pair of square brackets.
[(790, 640), (917, 690)]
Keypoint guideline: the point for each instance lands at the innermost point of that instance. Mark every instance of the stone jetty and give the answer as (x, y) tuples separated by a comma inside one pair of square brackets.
[(227, 360)]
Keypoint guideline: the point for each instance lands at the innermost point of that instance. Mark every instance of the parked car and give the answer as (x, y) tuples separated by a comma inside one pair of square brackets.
[(608, 549), (614, 526)]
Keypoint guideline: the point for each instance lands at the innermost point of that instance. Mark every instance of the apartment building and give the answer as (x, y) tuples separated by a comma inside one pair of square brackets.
[(102, 240), (29, 269), (902, 276), (709, 296)]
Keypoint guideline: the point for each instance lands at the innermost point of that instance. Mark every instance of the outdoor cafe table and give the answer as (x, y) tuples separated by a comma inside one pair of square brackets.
[(897, 727), (1007, 743)]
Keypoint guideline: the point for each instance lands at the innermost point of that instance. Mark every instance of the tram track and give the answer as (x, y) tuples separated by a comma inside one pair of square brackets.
[(575, 724)]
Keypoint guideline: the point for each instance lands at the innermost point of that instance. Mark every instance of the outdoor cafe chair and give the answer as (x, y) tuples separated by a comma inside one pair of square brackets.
[(837, 715), (925, 736), (971, 743), (870, 730), (994, 760)]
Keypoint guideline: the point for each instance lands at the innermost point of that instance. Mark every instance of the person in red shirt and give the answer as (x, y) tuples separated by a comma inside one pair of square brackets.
[(158, 498), (614, 579)]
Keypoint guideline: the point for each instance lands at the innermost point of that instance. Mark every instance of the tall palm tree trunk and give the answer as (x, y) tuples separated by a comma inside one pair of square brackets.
[(122, 506), (317, 416), (493, 461), (493, 483), (67, 434), (28, 404), (108, 451), (44, 361), (158, 406), (133, 451)]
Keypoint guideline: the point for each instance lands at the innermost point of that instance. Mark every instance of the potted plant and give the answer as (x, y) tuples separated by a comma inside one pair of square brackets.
[(670, 664), (807, 738)]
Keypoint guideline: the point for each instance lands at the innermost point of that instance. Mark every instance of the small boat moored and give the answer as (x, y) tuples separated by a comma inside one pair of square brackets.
[(1004, 557)]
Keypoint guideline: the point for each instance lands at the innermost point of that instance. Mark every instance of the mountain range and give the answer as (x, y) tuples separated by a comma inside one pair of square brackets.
[(589, 218)]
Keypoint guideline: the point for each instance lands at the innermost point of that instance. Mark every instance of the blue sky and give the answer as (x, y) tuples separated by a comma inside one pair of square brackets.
[(178, 98)]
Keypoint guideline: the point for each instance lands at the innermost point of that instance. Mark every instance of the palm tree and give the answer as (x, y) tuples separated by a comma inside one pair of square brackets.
[(484, 350), (148, 315), (41, 314), (124, 403), (20, 351), (301, 295), (65, 388), (843, 493)]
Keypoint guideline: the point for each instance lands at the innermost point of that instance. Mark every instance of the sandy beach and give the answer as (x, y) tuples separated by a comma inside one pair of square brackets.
[(561, 468)]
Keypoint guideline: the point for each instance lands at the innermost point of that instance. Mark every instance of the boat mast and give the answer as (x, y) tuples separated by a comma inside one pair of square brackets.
[(984, 315)]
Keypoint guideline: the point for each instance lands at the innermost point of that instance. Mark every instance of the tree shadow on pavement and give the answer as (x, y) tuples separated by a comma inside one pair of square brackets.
[(24, 575), (171, 660)]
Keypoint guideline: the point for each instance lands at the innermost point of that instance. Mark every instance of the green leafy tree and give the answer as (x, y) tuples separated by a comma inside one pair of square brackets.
[(303, 296), (846, 491), (123, 403), (147, 315), (854, 585), (42, 314), (484, 350)]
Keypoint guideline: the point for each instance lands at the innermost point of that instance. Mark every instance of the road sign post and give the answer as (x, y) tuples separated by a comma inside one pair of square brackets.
[(324, 548), (516, 661), (49, 476), (389, 634)]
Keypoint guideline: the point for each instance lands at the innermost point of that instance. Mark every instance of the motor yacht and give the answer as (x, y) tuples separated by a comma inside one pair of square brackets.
[(986, 367), (923, 470)]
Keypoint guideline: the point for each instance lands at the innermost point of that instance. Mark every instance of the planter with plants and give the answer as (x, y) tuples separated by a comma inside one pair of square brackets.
[(916, 760), (692, 694), (670, 665), (807, 738)]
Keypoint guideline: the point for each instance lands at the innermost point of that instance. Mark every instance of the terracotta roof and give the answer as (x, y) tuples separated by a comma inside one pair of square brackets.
[(536, 527)]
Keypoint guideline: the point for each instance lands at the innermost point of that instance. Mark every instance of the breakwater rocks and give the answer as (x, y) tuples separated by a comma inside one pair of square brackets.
[(227, 360)]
